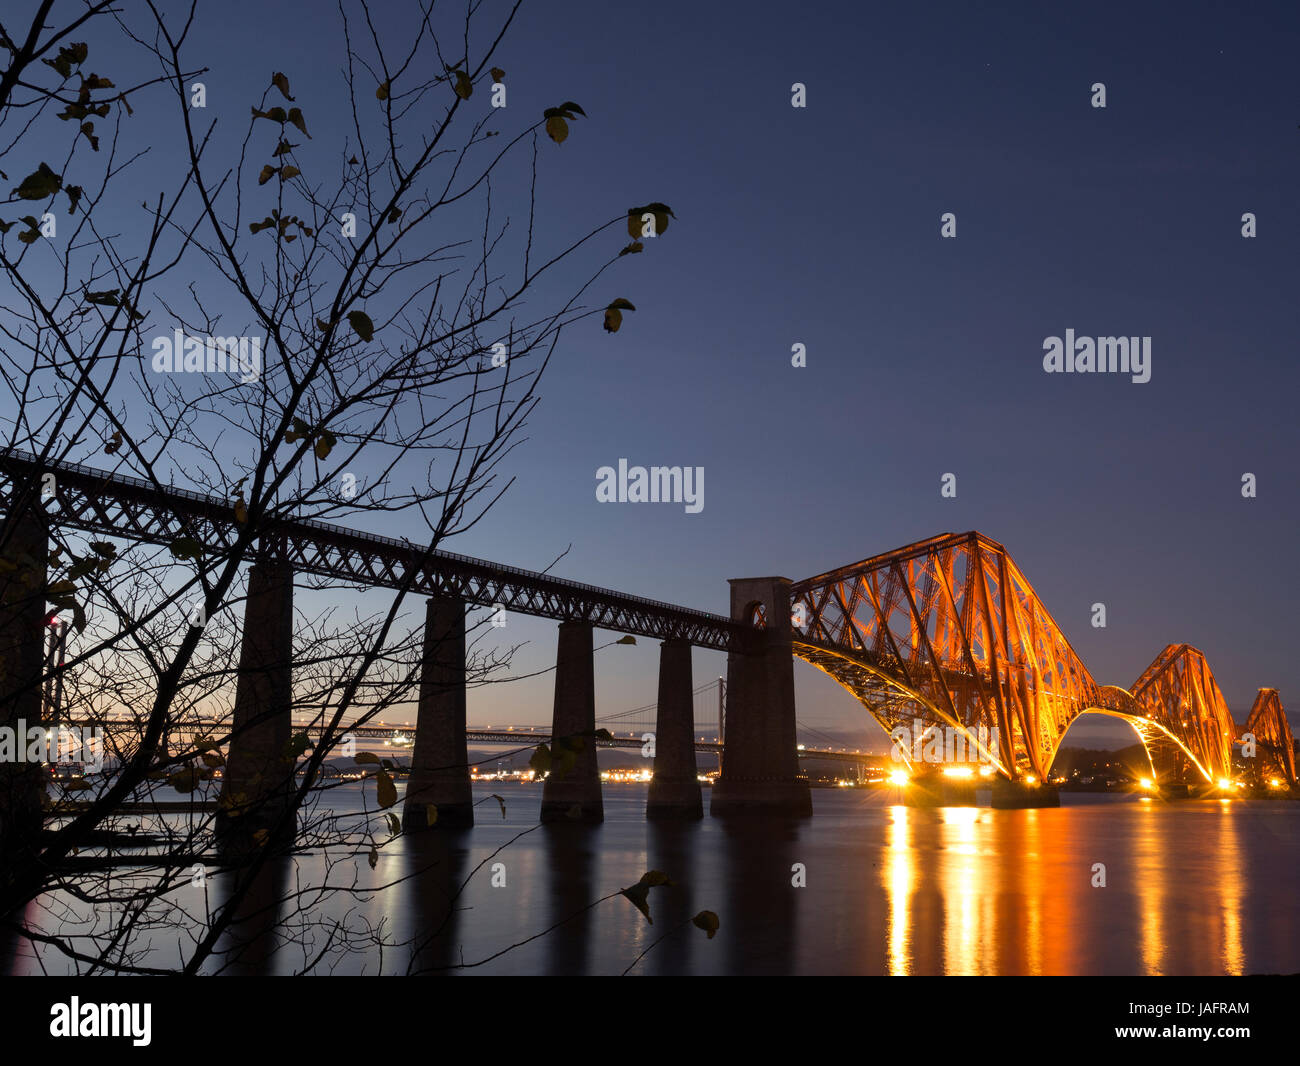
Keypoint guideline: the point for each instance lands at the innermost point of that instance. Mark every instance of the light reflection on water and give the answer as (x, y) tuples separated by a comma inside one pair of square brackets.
[(1191, 887)]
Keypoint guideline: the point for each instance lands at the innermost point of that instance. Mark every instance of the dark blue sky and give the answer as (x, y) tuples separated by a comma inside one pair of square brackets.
[(821, 226)]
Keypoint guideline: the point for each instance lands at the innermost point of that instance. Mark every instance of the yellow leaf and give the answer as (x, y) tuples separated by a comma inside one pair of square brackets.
[(382, 92), (184, 780), (638, 894), (281, 83), (497, 74), (431, 814), (464, 87), (360, 322), (706, 920), (557, 129), (654, 878), (385, 790), (268, 172), (614, 314), (366, 757), (373, 857)]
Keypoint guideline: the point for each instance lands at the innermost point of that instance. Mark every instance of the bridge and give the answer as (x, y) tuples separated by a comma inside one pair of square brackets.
[(528, 736), (946, 632)]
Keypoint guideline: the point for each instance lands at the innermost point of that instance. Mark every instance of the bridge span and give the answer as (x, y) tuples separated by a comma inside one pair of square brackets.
[(946, 632)]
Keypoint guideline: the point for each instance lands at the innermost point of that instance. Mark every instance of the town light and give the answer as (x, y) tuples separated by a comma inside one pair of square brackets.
[(898, 778), (1224, 783), (958, 771), (1146, 782)]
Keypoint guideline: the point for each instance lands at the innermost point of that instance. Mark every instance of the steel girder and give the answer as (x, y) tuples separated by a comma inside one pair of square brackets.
[(1178, 691), (949, 631), (1275, 745), (117, 505)]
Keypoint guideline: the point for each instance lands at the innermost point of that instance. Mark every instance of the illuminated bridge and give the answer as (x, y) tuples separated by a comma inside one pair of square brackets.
[(950, 632), (946, 632)]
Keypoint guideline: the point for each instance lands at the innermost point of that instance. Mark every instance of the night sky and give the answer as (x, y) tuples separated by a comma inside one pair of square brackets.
[(821, 226)]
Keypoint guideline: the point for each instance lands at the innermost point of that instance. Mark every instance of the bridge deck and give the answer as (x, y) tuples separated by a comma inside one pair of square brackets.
[(119, 505)]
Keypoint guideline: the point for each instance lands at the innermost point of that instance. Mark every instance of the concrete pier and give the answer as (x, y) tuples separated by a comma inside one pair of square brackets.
[(259, 775), (760, 767), (941, 790), (22, 656), (574, 795), (440, 759), (1014, 795), (675, 787)]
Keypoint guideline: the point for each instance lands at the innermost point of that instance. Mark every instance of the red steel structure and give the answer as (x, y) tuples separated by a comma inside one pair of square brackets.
[(1275, 746), (949, 632)]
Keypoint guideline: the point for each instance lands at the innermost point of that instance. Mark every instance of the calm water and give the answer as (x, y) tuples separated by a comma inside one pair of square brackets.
[(1203, 887)]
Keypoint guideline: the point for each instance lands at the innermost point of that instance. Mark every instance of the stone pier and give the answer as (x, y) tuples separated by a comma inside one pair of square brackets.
[(574, 794), (931, 787), (259, 774), (675, 787), (440, 759), (760, 769), (24, 546), (1013, 795)]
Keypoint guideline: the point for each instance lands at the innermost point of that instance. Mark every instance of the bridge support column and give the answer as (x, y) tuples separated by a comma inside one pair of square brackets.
[(574, 795), (22, 653), (937, 789), (675, 788), (440, 760), (259, 777), (760, 768), (1013, 795)]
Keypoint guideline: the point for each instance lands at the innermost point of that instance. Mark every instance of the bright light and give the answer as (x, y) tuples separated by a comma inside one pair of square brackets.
[(958, 771), (1030, 779), (1224, 783), (801, 748), (1273, 782), (898, 778), (1146, 782), (988, 771)]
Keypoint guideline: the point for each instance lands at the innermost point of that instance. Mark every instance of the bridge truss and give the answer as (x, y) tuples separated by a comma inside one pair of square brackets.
[(116, 505), (949, 633), (1275, 745)]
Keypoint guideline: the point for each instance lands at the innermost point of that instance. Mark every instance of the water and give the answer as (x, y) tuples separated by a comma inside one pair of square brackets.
[(1193, 887)]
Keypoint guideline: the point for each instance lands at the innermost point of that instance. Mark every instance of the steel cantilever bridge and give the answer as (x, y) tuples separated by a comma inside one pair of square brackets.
[(947, 630)]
